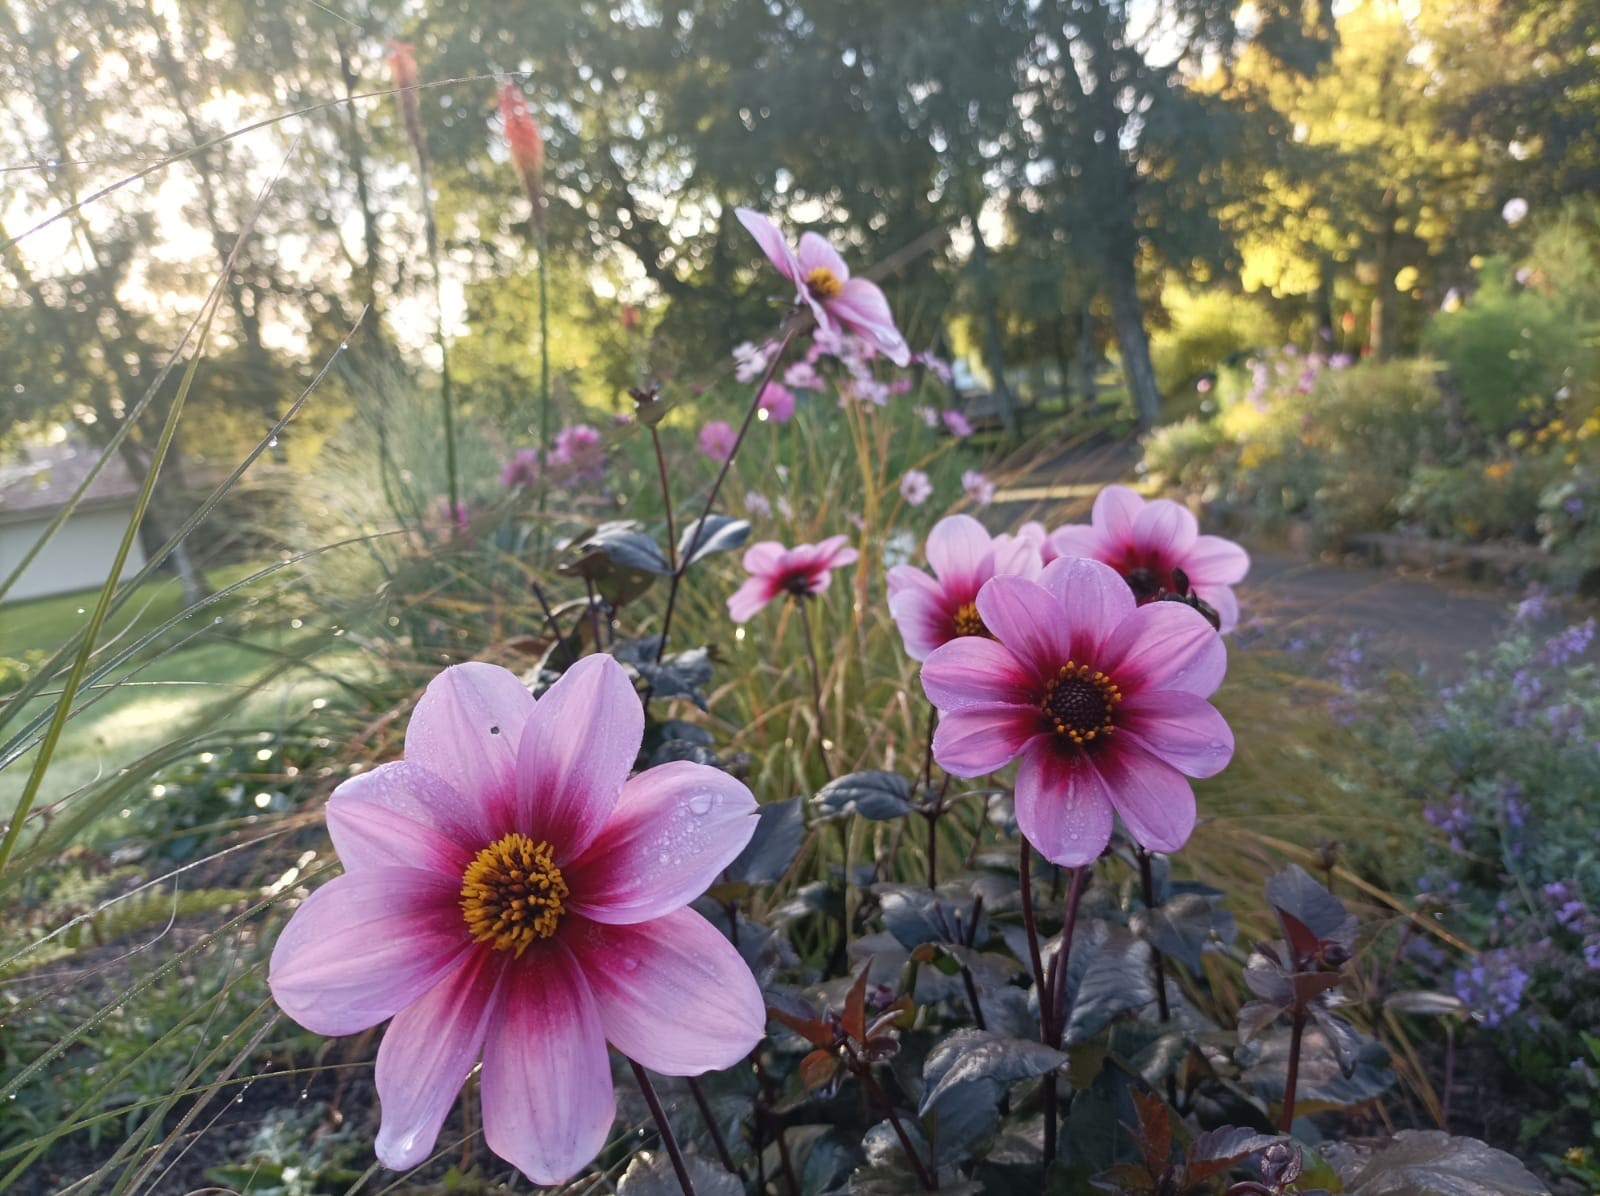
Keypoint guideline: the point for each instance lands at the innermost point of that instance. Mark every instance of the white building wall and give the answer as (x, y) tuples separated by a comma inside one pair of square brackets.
[(77, 557)]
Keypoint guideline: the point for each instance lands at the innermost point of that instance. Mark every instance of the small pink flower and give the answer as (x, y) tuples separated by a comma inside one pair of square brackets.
[(899, 386), (802, 375), (931, 611), (755, 503), (957, 424), (777, 403), (580, 449), (803, 570), (1103, 700), (1146, 541), (928, 415), (750, 360), (915, 487), (1203, 386), (822, 280), (522, 470), (717, 440), (977, 487), (510, 894)]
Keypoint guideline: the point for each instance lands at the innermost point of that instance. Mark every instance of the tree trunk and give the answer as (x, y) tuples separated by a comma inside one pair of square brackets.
[(1381, 328), (1086, 354), (1127, 318), (994, 345), (1322, 300)]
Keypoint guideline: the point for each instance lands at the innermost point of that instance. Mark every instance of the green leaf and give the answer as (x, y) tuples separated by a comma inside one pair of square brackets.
[(879, 796), (1432, 1163)]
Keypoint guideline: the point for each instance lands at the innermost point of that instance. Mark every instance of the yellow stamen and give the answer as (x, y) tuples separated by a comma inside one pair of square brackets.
[(968, 621), (1081, 703), (823, 283), (512, 892)]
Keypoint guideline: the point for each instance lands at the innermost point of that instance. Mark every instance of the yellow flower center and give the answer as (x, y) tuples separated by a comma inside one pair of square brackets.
[(823, 283), (968, 621), (1081, 703), (511, 893)]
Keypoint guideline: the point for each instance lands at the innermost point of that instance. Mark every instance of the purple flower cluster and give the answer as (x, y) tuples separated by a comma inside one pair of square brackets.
[(1493, 986), (1454, 819)]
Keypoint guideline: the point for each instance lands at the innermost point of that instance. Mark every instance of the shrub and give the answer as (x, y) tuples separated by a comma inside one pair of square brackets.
[(1207, 328)]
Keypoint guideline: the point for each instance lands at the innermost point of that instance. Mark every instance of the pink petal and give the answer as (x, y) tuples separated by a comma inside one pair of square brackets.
[(1079, 539), (548, 1103), (1166, 645), (1225, 603), (771, 241), (764, 558), (816, 254), (1116, 509), (1029, 620), (909, 577), (832, 552), (401, 814), (862, 308), (578, 749), (426, 1055), (1165, 530), (1154, 799), (973, 671), (365, 945), (1018, 556), (673, 994), (1214, 561), (466, 728), (1184, 730), (1097, 598), (983, 739), (676, 827), (922, 616), (1062, 805), (961, 555), (746, 602)]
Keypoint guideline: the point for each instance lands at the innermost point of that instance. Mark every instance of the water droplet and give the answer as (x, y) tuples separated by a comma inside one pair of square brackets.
[(629, 963), (700, 804), (664, 858)]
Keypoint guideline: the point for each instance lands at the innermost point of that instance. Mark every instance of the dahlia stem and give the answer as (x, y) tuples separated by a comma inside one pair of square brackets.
[(1058, 966), (664, 1128), (550, 618), (544, 353), (1291, 1081), (1025, 874), (666, 498), (716, 486), (816, 689), (710, 1120), (1148, 889), (929, 1182)]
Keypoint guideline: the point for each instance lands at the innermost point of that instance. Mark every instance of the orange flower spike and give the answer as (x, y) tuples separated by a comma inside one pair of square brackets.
[(522, 137), (403, 72)]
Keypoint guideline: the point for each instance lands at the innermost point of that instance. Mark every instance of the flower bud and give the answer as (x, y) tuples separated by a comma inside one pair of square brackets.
[(522, 138)]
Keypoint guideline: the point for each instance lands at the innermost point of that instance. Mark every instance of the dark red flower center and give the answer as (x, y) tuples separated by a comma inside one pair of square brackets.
[(1081, 703), (824, 283), (797, 582), (512, 893)]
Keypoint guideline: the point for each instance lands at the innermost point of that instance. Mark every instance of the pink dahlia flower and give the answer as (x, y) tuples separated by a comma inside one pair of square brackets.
[(777, 403), (522, 470), (1104, 701), (802, 570), (931, 611), (1146, 541), (511, 894), (956, 423), (717, 439), (823, 281)]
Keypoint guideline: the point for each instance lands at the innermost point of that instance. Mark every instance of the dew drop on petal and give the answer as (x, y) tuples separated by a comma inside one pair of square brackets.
[(630, 963), (700, 804)]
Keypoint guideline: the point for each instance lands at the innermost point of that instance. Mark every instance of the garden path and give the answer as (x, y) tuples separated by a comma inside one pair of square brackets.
[(1423, 620)]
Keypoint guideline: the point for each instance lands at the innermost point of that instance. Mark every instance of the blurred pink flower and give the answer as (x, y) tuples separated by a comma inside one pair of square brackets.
[(915, 487), (977, 487), (750, 360), (1104, 701), (802, 375), (510, 894), (522, 469), (1203, 386), (822, 280), (1033, 533), (1146, 541), (755, 503), (717, 440), (802, 570), (931, 611), (957, 424), (928, 415), (579, 448), (777, 402), (899, 386)]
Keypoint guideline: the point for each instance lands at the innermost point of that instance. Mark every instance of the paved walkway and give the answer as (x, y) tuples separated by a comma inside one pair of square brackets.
[(1424, 620)]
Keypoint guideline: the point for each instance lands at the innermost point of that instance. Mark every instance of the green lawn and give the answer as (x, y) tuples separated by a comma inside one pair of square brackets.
[(186, 684)]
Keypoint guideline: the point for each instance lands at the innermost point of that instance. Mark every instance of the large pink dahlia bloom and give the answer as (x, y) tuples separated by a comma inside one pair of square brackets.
[(822, 281), (935, 610), (510, 893), (1104, 701), (804, 571), (1146, 541)]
